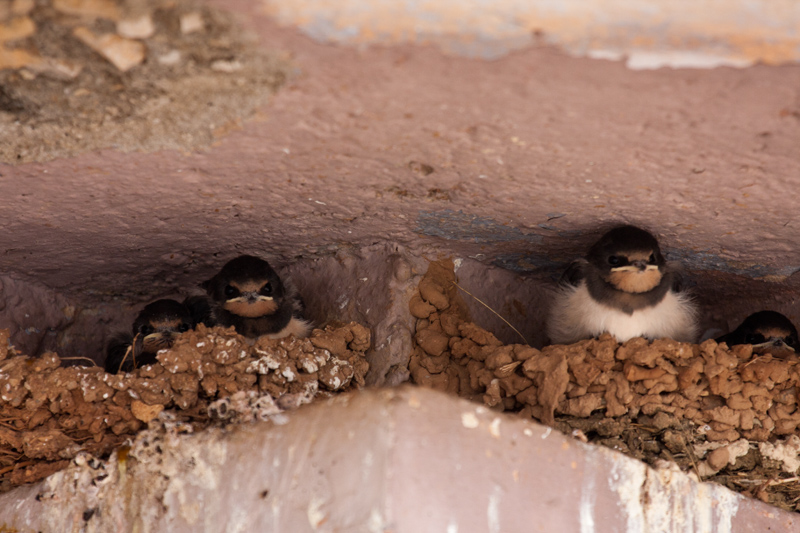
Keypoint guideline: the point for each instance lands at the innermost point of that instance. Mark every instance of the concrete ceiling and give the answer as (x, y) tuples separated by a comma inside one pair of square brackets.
[(516, 163)]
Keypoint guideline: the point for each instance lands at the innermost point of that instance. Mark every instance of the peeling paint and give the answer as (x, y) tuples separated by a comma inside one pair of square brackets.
[(669, 501), (627, 479)]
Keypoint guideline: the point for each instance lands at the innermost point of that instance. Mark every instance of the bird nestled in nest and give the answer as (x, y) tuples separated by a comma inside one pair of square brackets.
[(623, 287), (246, 294), (155, 328), (768, 331), (250, 296)]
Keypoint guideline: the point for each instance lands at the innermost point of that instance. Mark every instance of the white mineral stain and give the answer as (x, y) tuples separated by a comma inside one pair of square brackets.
[(280, 419), (494, 428), (727, 505), (376, 523), (588, 496), (309, 366), (668, 501), (493, 510), (239, 522), (469, 420), (627, 479), (315, 515), (786, 452), (262, 365)]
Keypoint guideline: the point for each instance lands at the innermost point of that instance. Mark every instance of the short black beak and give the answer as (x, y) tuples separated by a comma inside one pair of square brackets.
[(641, 265)]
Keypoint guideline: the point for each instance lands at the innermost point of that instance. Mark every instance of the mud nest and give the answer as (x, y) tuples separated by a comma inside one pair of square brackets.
[(723, 414), (49, 413)]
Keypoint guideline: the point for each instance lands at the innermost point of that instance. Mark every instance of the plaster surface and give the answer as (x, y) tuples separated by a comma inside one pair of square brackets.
[(647, 34), (516, 164), (402, 460)]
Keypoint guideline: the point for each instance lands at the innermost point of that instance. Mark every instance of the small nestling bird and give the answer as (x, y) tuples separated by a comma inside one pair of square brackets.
[(250, 296), (768, 332), (155, 328), (623, 287)]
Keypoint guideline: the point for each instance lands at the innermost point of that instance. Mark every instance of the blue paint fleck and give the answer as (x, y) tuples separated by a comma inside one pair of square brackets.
[(460, 226), (525, 263), (708, 261)]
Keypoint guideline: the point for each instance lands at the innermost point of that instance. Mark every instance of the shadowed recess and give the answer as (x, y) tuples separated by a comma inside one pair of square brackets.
[(460, 226)]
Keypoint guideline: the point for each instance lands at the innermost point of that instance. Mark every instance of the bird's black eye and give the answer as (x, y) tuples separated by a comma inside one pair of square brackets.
[(184, 327), (614, 260), (147, 329), (790, 341), (652, 259), (266, 290), (754, 338), (231, 291)]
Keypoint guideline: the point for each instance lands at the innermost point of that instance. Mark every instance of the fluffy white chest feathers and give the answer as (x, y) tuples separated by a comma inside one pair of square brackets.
[(576, 315)]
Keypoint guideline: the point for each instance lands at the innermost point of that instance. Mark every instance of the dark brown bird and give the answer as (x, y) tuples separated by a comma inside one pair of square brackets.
[(250, 296), (768, 332), (624, 287), (155, 328)]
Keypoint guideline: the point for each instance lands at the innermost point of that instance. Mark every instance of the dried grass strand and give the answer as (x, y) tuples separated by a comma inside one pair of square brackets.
[(690, 454), (521, 336), (79, 358)]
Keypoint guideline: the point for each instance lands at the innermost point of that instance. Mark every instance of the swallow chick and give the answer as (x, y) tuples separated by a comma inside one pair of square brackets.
[(250, 296), (623, 287), (768, 332), (155, 328)]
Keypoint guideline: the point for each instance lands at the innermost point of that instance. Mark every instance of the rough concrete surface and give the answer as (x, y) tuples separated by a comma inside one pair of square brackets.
[(371, 161), (378, 461), (512, 163), (127, 74)]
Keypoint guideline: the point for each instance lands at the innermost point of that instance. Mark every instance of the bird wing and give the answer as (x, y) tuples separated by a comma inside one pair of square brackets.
[(115, 352), (200, 309), (680, 282), (575, 273), (730, 339)]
